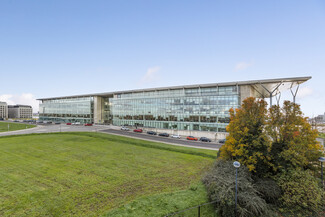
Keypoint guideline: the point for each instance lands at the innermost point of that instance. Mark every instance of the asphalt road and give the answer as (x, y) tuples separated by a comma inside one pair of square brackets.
[(182, 141), (51, 128)]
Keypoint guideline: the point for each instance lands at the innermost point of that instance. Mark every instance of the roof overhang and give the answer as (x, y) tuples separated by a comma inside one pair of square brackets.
[(268, 88)]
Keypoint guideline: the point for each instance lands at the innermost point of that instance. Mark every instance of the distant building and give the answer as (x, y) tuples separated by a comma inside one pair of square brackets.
[(320, 119), (3, 110), (20, 111)]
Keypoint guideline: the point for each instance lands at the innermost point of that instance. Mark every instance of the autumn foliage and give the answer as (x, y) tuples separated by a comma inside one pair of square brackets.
[(267, 141), (279, 149)]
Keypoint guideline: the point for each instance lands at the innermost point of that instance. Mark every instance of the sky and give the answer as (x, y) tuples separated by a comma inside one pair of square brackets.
[(62, 48)]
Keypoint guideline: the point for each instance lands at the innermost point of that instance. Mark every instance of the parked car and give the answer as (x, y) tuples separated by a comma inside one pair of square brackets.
[(137, 130), (176, 136), (191, 138), (222, 141), (152, 133), (163, 134), (68, 123), (125, 128), (205, 139), (88, 124), (76, 123), (57, 123)]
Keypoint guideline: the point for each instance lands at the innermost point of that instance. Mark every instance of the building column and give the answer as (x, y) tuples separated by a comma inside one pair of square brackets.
[(98, 110)]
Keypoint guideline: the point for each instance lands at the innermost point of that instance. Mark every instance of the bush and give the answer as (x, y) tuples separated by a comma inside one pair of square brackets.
[(269, 189), (220, 184), (301, 192)]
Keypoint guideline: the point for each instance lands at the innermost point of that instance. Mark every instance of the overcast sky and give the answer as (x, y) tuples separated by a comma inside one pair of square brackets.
[(59, 48)]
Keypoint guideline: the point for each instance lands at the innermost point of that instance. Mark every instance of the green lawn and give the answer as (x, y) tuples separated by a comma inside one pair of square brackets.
[(93, 174), (14, 126)]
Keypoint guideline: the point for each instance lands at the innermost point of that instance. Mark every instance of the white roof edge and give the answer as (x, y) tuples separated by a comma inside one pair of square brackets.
[(251, 82)]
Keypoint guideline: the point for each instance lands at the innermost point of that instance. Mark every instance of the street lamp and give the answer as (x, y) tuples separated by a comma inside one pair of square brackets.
[(322, 159), (237, 165)]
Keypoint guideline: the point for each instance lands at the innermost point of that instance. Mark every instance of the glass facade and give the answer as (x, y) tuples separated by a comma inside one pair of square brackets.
[(203, 109), (77, 109)]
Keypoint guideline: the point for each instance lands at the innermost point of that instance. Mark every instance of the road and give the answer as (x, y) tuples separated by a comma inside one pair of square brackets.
[(168, 140), (51, 128)]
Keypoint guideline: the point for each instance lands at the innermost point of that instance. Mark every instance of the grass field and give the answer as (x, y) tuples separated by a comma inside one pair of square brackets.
[(93, 174), (14, 126)]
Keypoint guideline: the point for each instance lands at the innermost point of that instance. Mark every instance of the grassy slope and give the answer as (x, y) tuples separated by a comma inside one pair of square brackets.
[(14, 126), (160, 204), (87, 174)]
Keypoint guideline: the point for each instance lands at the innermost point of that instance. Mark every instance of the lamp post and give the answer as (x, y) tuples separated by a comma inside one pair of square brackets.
[(322, 159), (236, 165)]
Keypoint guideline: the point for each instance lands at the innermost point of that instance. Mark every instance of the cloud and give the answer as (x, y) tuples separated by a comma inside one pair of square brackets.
[(151, 75), (243, 65), (303, 92), (23, 99)]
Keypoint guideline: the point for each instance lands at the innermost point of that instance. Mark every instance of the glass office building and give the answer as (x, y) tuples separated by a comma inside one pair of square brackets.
[(74, 109), (203, 107)]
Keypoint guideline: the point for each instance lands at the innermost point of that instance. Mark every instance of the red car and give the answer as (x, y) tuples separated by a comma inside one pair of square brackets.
[(137, 130), (68, 123), (88, 124), (191, 138)]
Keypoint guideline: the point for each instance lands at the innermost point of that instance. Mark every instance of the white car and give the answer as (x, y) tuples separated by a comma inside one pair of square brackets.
[(176, 136), (125, 128)]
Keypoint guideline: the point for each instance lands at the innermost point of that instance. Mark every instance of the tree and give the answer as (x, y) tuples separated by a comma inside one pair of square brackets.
[(293, 139), (279, 148), (267, 141), (247, 141)]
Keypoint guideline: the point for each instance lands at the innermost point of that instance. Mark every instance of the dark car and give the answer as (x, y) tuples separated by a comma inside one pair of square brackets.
[(163, 134), (222, 141), (152, 133), (205, 139), (191, 138), (137, 130), (57, 123)]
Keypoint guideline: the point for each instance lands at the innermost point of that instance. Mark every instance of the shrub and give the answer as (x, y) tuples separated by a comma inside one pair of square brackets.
[(301, 192), (269, 189), (220, 184)]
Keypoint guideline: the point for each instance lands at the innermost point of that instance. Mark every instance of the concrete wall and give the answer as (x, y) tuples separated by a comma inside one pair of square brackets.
[(98, 109), (245, 91)]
